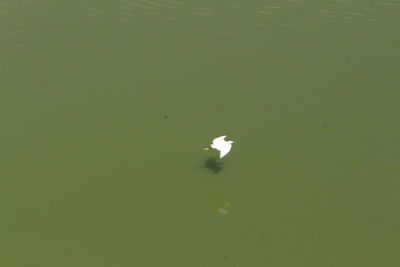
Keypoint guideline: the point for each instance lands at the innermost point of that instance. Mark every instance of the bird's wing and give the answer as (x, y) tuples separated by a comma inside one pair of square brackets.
[(225, 150), (219, 139)]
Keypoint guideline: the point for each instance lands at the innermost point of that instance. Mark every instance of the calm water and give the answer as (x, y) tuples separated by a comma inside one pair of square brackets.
[(105, 106)]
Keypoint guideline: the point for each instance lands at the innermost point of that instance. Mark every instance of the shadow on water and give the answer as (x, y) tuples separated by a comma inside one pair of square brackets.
[(213, 165)]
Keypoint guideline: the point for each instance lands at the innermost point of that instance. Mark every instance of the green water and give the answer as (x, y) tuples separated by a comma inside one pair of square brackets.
[(105, 107)]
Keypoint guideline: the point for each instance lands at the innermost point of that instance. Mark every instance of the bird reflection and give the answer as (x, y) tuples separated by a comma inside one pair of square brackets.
[(213, 165)]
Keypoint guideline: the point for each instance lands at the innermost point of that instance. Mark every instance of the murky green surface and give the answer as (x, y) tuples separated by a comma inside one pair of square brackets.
[(105, 107)]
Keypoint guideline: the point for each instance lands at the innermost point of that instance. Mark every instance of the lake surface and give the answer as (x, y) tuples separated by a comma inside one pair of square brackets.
[(105, 106)]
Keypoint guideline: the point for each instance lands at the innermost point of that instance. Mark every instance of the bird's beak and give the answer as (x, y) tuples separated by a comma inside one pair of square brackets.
[(206, 148)]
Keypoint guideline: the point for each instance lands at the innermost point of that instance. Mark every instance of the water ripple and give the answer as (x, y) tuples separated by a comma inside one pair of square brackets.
[(19, 18)]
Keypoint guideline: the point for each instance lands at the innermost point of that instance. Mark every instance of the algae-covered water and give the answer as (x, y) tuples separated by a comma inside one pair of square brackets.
[(105, 107)]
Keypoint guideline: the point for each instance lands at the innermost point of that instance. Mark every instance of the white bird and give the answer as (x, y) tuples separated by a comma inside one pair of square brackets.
[(221, 145)]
